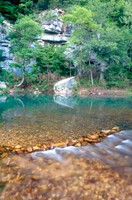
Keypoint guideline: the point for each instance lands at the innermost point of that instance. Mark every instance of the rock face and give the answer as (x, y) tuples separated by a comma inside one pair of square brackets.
[(2, 85), (5, 45), (65, 86), (54, 29)]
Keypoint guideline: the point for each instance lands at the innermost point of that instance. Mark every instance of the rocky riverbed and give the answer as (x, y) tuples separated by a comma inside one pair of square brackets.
[(97, 171), (75, 178)]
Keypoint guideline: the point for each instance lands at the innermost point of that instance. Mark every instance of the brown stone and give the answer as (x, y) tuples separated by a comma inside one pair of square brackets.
[(4, 155), (29, 149), (1, 149), (88, 140), (93, 137), (84, 143), (78, 144), (107, 131), (17, 151), (81, 139), (35, 148), (18, 147), (60, 144), (116, 128), (71, 142), (113, 131)]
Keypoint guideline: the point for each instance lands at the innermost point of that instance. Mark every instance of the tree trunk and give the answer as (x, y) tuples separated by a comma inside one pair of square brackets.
[(22, 81), (91, 77), (101, 78)]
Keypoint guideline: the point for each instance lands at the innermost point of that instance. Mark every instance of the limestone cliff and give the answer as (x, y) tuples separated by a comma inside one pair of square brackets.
[(54, 31)]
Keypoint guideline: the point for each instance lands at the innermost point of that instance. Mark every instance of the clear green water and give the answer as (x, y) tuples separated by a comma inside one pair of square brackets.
[(47, 118), (72, 172)]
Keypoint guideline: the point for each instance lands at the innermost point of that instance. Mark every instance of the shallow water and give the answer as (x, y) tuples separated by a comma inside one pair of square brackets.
[(26, 119), (100, 171), (115, 151)]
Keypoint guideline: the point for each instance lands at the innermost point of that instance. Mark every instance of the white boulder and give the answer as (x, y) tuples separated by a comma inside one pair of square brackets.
[(65, 86), (2, 85)]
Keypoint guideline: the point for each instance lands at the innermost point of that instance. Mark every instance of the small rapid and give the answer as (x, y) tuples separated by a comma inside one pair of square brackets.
[(100, 171), (96, 171), (115, 151)]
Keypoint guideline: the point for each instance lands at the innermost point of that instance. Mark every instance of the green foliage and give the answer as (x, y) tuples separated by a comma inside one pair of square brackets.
[(117, 76), (102, 36), (81, 18), (22, 38), (43, 4), (8, 9), (1, 19), (7, 77), (25, 30), (51, 59), (66, 3)]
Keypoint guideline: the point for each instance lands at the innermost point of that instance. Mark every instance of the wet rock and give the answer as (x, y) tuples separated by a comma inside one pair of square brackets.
[(60, 144), (116, 128), (18, 147), (36, 148), (29, 149), (92, 138)]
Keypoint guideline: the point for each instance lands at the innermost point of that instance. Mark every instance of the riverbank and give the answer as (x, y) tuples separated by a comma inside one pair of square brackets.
[(101, 91), (81, 91)]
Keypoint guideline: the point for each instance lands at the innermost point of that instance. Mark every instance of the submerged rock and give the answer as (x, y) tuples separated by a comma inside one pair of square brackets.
[(91, 138)]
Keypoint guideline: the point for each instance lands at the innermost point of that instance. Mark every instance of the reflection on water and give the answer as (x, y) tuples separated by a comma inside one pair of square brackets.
[(47, 118), (65, 100), (71, 172)]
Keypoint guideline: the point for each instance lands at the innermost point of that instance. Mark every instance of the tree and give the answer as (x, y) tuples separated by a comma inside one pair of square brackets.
[(84, 28), (23, 41), (51, 59), (102, 42)]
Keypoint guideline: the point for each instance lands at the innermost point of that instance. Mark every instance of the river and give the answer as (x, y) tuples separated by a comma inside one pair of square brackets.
[(100, 171)]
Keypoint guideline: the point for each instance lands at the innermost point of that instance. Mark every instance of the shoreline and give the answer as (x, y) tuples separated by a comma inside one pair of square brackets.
[(94, 91)]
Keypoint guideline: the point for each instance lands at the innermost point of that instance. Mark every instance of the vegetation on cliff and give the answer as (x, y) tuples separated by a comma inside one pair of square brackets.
[(100, 44)]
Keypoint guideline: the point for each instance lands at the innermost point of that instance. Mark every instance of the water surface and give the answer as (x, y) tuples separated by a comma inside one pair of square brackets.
[(100, 171), (37, 119)]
